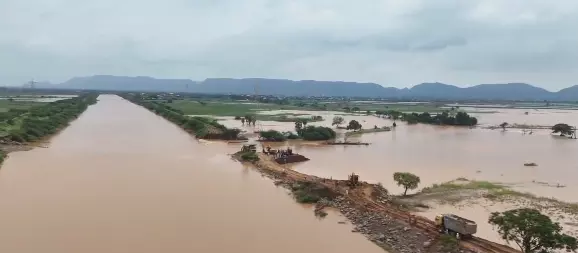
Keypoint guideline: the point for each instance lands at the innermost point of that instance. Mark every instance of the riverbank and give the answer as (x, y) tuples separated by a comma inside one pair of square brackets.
[(366, 131), (368, 207), (24, 130), (200, 127)]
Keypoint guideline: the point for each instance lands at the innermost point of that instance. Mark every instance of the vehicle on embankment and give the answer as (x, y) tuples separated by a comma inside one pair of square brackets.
[(456, 226)]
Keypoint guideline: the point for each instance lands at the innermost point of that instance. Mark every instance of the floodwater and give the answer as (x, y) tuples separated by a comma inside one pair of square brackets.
[(120, 179), (443, 153)]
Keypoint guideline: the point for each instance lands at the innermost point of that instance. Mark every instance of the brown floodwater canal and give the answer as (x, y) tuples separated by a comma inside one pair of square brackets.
[(120, 179)]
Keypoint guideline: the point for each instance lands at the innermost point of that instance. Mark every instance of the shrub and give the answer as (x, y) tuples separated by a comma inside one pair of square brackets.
[(272, 135), (250, 156), (317, 133)]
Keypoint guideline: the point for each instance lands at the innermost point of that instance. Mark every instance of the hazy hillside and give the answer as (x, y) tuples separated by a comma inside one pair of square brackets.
[(292, 88), (123, 83), (570, 93), (509, 91)]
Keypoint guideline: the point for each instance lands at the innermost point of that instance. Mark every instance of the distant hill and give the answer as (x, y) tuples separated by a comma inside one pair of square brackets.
[(123, 83), (570, 93), (508, 91)]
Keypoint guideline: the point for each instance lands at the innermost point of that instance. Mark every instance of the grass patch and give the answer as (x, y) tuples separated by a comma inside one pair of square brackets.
[(228, 108), (7, 105), (500, 192), (250, 157), (307, 192)]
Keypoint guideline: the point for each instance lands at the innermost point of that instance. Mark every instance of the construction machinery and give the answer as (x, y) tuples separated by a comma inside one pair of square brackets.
[(249, 148), (456, 226)]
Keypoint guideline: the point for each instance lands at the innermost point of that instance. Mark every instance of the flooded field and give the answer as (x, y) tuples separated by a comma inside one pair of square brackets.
[(120, 179), (438, 154)]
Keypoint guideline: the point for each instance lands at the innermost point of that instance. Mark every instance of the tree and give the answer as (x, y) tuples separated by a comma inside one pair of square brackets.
[(298, 127), (407, 180), (532, 231), (337, 120), (355, 109), (354, 125), (251, 119), (504, 125), (563, 129), (243, 121)]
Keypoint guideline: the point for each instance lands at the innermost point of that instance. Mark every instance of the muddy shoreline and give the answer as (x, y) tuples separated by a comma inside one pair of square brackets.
[(386, 231)]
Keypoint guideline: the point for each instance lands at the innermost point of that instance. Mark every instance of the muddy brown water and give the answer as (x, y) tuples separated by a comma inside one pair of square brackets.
[(120, 179), (443, 153), (438, 154)]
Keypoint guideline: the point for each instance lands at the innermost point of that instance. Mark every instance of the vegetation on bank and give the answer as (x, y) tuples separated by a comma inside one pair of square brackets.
[(249, 156), (39, 121), (451, 117), (203, 128), (272, 135), (532, 231), (407, 180), (310, 192), (375, 129)]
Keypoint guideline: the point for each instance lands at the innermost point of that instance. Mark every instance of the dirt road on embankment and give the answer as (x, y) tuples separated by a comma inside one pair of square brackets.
[(369, 208)]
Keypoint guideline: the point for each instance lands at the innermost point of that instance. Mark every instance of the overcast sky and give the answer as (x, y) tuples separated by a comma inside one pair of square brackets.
[(393, 43)]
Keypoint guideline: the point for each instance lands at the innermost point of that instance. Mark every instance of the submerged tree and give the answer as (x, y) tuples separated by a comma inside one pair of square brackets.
[(407, 180), (337, 121), (563, 129), (532, 231), (298, 127), (354, 125)]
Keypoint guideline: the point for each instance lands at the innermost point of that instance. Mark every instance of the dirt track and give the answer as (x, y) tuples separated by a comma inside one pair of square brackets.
[(370, 198)]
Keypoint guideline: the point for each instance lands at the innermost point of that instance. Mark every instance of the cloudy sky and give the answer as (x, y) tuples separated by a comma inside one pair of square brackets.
[(394, 43)]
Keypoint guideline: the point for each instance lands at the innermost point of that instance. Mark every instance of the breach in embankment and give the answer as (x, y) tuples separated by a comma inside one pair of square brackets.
[(19, 128)]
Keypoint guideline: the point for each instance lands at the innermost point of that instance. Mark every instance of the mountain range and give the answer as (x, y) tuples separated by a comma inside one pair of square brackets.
[(262, 86)]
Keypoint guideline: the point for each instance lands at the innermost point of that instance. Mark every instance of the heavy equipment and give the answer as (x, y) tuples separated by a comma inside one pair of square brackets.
[(456, 226)]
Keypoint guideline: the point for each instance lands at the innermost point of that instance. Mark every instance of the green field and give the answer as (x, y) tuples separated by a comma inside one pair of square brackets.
[(226, 108), (6, 105)]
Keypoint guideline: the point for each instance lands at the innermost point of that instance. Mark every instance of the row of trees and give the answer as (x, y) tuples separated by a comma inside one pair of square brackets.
[(40, 121), (531, 230), (444, 118), (203, 128)]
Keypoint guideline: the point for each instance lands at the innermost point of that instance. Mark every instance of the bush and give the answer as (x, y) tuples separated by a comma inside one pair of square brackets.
[(250, 156), (272, 135), (317, 133), (449, 243)]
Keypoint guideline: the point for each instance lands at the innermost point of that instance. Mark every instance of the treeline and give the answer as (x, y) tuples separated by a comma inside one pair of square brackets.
[(40, 121), (308, 133), (201, 127), (444, 118)]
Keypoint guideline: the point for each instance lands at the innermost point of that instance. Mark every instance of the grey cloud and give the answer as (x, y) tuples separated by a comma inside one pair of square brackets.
[(390, 42)]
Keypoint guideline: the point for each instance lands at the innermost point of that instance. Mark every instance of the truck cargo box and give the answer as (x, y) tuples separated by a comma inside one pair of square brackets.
[(460, 225)]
